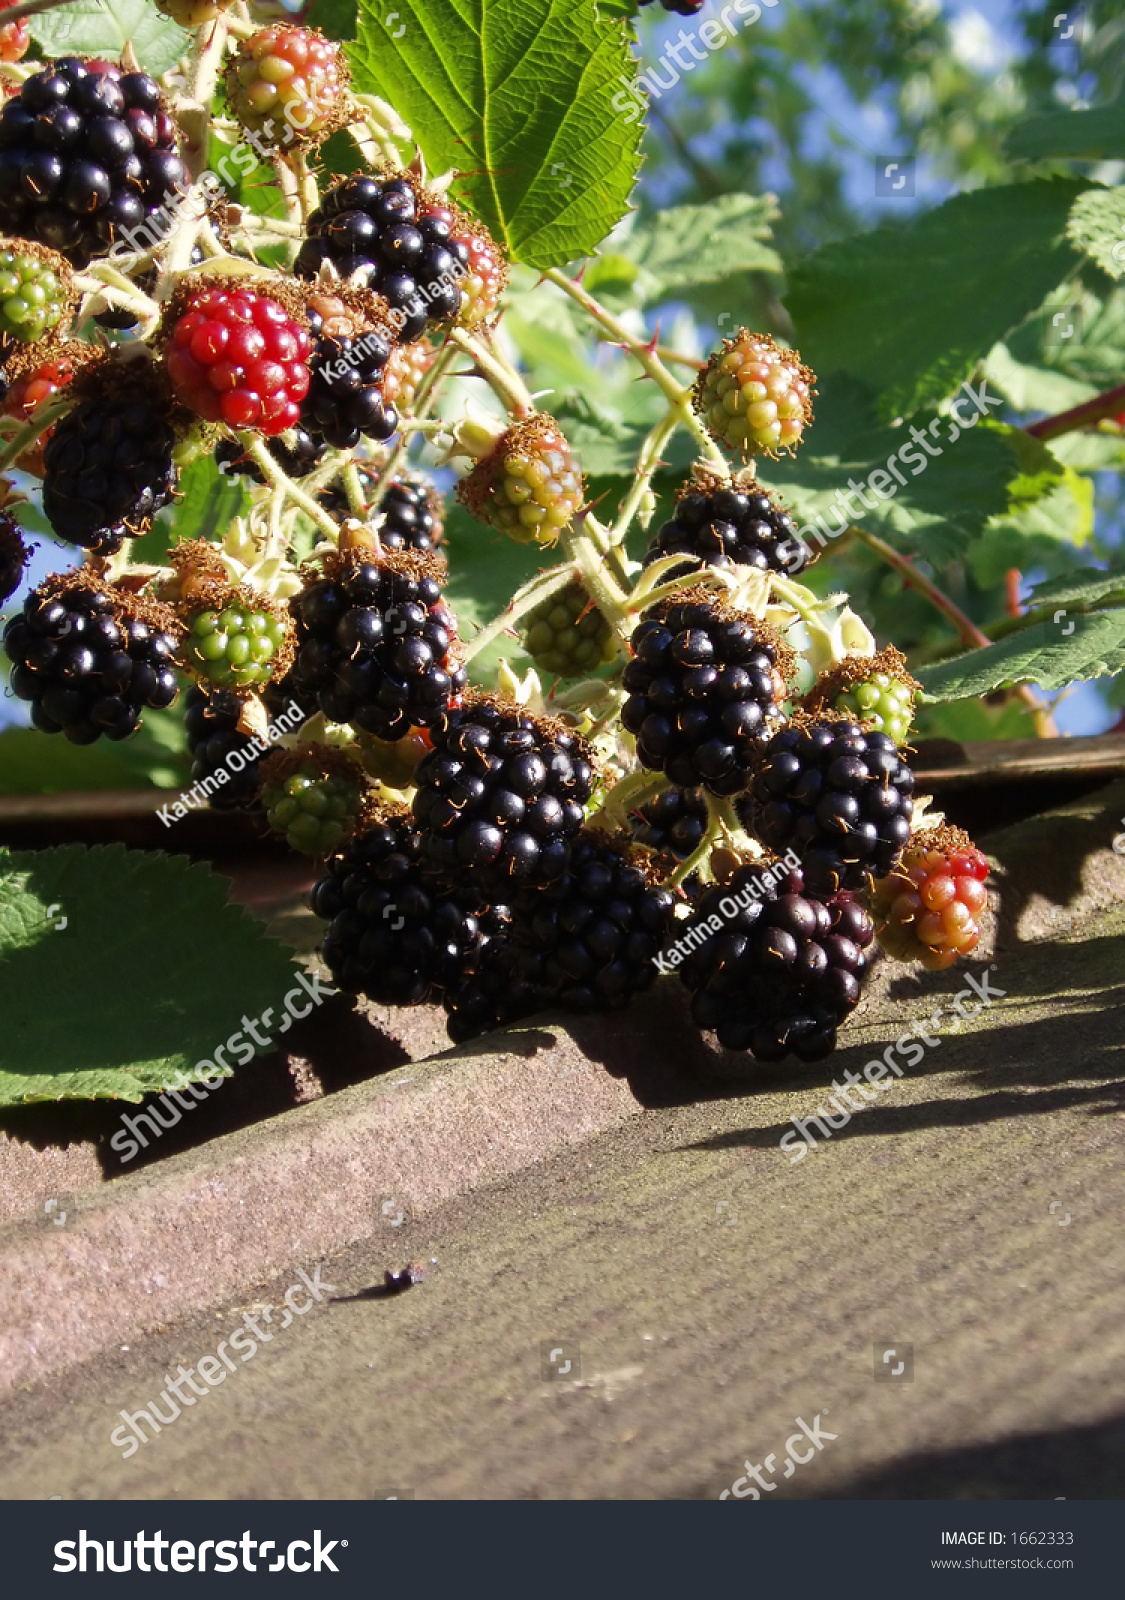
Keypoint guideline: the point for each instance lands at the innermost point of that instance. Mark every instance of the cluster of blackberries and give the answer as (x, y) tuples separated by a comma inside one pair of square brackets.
[(107, 468), (345, 401), (729, 527), (376, 645), (705, 691), (397, 933), (780, 974), (87, 157), (408, 252), (592, 936), (842, 798), (502, 793), (88, 666), (494, 991)]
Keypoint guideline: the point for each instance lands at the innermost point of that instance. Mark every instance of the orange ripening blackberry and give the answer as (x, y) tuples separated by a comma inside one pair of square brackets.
[(930, 907)]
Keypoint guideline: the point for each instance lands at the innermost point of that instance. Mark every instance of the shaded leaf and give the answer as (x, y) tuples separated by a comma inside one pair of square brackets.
[(208, 502), (1085, 587), (685, 247), (1095, 135), (103, 27), (1097, 225), (156, 969), (1042, 654)]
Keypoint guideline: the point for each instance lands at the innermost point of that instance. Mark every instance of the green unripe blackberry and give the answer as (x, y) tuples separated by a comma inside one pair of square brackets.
[(883, 701), (754, 396), (312, 797), (235, 647), (568, 636), (35, 292), (529, 485)]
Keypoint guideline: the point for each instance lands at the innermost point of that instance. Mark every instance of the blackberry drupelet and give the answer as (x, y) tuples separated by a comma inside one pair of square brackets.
[(397, 933), (674, 822), (107, 469), (502, 793), (728, 524), (407, 243), (706, 686), (779, 976), (376, 644), (593, 934), (493, 991), (90, 658), (87, 158), (842, 798)]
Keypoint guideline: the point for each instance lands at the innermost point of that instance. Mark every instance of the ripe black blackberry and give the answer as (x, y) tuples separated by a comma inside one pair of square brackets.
[(684, 8), (674, 822), (593, 934), (14, 556), (410, 506), (779, 976), (842, 798), (211, 723), (398, 934), (728, 523), (296, 452), (401, 238), (502, 793), (108, 468), (345, 401), (494, 990), (376, 644), (87, 158), (705, 687), (90, 658)]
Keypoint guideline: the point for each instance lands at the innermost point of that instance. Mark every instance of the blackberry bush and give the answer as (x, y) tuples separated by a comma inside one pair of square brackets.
[(842, 798), (87, 158), (706, 686), (502, 793), (91, 658), (930, 907), (773, 968), (376, 644), (728, 524)]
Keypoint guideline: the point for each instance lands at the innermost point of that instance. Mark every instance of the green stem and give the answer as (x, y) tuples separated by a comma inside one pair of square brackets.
[(424, 401), (524, 600), (43, 419), (647, 463), (503, 380), (255, 448)]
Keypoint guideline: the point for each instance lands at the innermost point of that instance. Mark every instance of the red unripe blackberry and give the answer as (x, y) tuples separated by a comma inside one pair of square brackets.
[(502, 793), (930, 907), (529, 485), (593, 933), (397, 933), (107, 467), (14, 556), (706, 686), (673, 823), (567, 636), (377, 645), (842, 798), (288, 84), (90, 658), (754, 396), (87, 158), (15, 37), (28, 380), (725, 524), (404, 372), (237, 356), (778, 976)]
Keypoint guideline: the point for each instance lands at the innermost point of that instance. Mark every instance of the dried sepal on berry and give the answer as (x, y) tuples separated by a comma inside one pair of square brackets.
[(529, 485), (37, 293), (930, 908), (754, 395), (315, 796), (289, 84), (877, 691)]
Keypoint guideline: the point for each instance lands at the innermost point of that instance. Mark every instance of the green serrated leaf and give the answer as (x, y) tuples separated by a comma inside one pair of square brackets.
[(911, 310), (1042, 654), (104, 27), (208, 502), (518, 95), (151, 975), (1095, 135), (1035, 388), (1085, 587), (681, 249), (1097, 225)]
